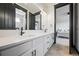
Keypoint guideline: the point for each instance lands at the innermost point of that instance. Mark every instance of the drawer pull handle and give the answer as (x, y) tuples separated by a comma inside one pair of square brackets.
[(34, 53)]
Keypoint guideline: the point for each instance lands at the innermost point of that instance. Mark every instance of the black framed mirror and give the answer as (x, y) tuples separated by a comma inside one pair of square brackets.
[(20, 17)]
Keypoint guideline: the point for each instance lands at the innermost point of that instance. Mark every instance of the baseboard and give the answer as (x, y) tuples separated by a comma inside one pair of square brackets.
[(54, 42), (76, 50)]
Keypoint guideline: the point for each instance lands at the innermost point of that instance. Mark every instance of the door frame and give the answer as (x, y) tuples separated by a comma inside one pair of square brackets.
[(70, 24)]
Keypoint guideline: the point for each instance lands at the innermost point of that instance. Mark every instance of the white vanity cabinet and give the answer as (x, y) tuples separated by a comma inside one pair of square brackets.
[(17, 50), (48, 41), (28, 53), (45, 48), (46, 44), (36, 47), (42, 44), (39, 50)]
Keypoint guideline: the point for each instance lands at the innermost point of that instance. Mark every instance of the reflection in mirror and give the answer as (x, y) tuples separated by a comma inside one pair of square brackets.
[(37, 22), (31, 21), (20, 19)]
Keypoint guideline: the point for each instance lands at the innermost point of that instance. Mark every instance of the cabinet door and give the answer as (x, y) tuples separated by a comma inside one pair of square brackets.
[(39, 50), (37, 42), (17, 50), (46, 44), (52, 39), (2, 16), (38, 46), (29, 53)]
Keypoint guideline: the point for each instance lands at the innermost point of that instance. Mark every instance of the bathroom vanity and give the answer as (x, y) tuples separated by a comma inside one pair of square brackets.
[(26, 45), (13, 18)]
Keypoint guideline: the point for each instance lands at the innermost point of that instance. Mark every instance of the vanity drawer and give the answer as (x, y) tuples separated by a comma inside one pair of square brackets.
[(37, 42), (28, 53), (19, 49)]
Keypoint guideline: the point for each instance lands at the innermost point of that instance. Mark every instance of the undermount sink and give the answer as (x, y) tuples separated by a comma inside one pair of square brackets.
[(29, 35)]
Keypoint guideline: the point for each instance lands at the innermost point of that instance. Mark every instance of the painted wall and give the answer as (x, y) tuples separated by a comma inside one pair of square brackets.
[(51, 18)]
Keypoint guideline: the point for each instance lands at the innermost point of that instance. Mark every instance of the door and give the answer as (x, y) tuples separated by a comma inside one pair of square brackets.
[(77, 27), (65, 16)]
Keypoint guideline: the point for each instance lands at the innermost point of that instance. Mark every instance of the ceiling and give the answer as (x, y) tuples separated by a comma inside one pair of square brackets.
[(33, 8), (46, 4), (30, 7)]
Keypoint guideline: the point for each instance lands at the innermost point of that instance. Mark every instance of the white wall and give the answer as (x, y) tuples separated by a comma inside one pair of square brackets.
[(47, 12), (44, 20), (51, 18)]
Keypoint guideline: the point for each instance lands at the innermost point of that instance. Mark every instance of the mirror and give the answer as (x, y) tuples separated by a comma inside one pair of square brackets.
[(33, 14), (35, 21), (16, 16), (38, 21), (20, 19)]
